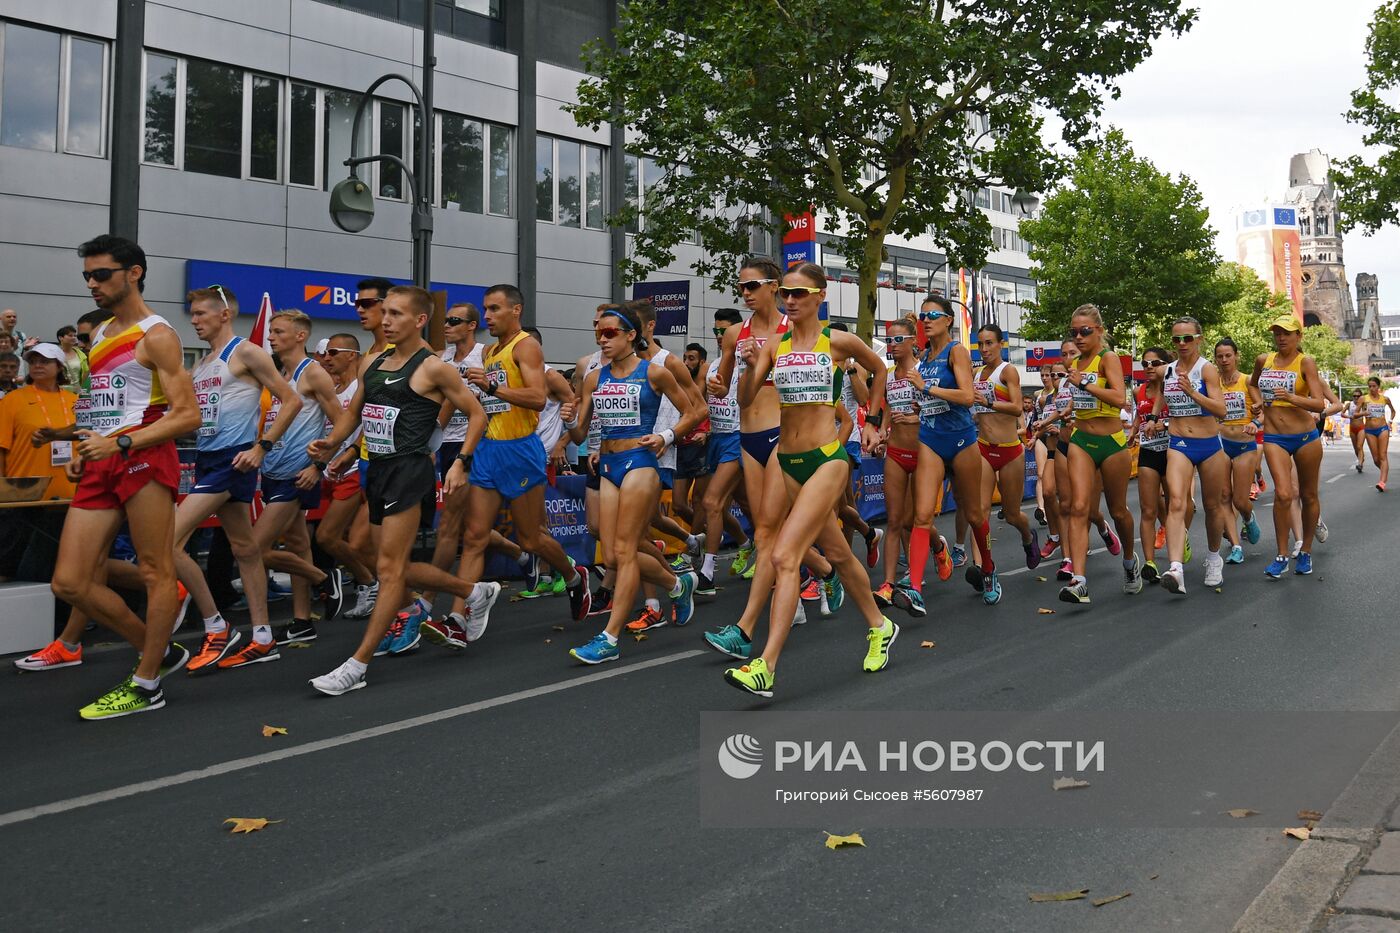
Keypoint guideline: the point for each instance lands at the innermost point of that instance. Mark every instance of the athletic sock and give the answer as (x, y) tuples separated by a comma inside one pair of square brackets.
[(612, 639), (262, 634), (654, 605), (1129, 562), (1054, 537), (674, 592), (215, 624), (918, 557), (707, 566), (143, 682), (983, 534), (1177, 566), (71, 646), (691, 541), (1079, 580), (359, 667), (523, 559)]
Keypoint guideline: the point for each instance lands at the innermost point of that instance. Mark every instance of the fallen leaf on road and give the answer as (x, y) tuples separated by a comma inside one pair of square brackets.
[(1309, 815), (297, 644), (1298, 832), (1059, 896), (245, 824), (548, 641), (1219, 590), (1109, 900), (1040, 579), (639, 637), (927, 644), (270, 731), (1152, 878), (834, 841), (1240, 813), (1045, 612), (1068, 783), (559, 628)]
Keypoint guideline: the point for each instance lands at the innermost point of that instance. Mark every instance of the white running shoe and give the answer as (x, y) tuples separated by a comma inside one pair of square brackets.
[(1215, 571), (366, 595), (800, 616), (1297, 549), (341, 680), (1321, 532), (694, 551), (1173, 581), (1132, 577), (484, 596)]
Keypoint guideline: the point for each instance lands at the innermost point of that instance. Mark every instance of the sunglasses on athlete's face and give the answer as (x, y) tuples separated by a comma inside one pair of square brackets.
[(332, 351), (457, 321), (367, 303), (797, 291), (607, 333), (719, 331), (751, 284), (1184, 338), (1153, 364), (897, 339), (1085, 331), (103, 274), (933, 315)]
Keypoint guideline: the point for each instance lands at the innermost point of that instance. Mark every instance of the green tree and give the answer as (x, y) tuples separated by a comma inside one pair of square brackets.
[(859, 108), (1128, 238), (1331, 352), (1369, 190), (1246, 319)]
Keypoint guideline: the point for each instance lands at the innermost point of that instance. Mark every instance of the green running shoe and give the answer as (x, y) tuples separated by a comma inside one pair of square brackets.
[(1186, 559), (754, 677), (743, 561), (125, 699), (835, 595), (543, 588), (730, 640), (748, 572), (558, 587), (877, 654)]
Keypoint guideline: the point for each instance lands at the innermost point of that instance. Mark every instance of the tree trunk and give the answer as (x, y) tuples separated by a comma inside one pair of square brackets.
[(869, 283)]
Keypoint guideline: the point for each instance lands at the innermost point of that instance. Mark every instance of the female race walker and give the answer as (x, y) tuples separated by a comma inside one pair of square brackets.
[(1237, 435), (998, 414), (1379, 414), (1153, 502), (804, 367), (901, 452), (1192, 398), (1045, 432), (1356, 413), (1098, 450), (626, 392), (1288, 386)]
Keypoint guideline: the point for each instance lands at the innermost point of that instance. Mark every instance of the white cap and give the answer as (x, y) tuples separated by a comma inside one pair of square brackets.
[(322, 345), (52, 351)]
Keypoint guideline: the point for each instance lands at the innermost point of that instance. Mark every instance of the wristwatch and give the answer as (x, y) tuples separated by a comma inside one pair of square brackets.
[(124, 444), (319, 465), (491, 388), (266, 445)]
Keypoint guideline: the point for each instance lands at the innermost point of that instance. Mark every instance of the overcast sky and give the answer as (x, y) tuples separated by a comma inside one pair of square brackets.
[(1252, 83)]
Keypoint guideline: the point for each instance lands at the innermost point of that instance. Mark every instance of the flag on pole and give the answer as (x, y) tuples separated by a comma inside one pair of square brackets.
[(964, 313), (259, 334)]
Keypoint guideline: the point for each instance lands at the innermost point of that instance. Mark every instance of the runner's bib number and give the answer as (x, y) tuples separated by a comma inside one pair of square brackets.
[(495, 376), (1234, 406), (82, 412), (107, 402), (1084, 400), (982, 390), (618, 405), (208, 413), (1157, 441), (803, 377), (899, 396), (1375, 411), (1179, 403), (379, 421), (724, 413), (1272, 381)]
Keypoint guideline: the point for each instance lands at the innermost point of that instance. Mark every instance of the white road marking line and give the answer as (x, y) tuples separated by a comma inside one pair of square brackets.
[(1335, 478), (1012, 573), (296, 751)]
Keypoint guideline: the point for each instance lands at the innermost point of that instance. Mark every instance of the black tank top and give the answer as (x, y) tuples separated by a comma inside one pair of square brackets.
[(397, 421)]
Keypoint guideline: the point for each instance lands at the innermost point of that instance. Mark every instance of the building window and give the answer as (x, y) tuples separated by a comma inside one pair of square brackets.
[(264, 120), (500, 170), (213, 119), (162, 83), (391, 125), (568, 183), (339, 108), (303, 119), (462, 158), (53, 91)]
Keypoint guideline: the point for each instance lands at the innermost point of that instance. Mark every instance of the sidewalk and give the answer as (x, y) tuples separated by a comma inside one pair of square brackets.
[(1370, 903)]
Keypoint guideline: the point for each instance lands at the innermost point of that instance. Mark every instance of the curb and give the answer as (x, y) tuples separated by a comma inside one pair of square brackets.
[(1299, 897)]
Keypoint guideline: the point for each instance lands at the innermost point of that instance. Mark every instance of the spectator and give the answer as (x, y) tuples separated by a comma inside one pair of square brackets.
[(9, 371), (75, 361), (9, 324), (8, 344)]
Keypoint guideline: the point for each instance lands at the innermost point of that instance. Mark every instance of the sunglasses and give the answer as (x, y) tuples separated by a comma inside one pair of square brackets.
[(1153, 364), (1085, 331), (897, 339), (222, 296), (367, 303), (607, 333), (797, 291), (102, 275), (752, 284), (332, 351), (1184, 338), (719, 331), (457, 321), (933, 315)]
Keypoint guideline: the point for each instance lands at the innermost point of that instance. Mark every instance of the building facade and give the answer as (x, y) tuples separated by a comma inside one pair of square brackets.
[(212, 133)]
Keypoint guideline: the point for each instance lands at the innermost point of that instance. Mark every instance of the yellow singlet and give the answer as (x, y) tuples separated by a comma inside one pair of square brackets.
[(508, 422)]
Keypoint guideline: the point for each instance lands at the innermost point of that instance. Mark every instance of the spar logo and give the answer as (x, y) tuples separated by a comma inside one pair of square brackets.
[(740, 756), (327, 295)]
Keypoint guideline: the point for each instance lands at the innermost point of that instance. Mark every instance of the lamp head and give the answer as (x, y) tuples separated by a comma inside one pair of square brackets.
[(352, 205)]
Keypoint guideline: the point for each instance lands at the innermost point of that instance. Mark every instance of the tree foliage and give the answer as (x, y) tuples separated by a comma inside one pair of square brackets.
[(859, 108), (1246, 318), (1128, 238), (1369, 190)]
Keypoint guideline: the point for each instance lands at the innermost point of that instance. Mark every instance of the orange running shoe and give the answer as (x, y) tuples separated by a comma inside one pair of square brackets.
[(252, 653), (649, 619), (944, 560), (1161, 539), (183, 596), (51, 658), (212, 651), (812, 589)]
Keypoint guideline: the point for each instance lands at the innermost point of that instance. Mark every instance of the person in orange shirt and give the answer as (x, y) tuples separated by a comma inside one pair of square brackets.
[(31, 547)]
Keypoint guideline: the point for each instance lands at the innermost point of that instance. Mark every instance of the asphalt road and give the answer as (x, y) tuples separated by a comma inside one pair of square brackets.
[(544, 796)]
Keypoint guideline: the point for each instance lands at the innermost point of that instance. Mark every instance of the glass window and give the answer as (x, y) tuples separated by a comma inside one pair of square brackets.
[(652, 173), (301, 136), (391, 132), (29, 109), (161, 74), (570, 182), (544, 178), (340, 119), (87, 70), (262, 136), (500, 170), (631, 184), (983, 198), (213, 119), (463, 164), (491, 8), (593, 213)]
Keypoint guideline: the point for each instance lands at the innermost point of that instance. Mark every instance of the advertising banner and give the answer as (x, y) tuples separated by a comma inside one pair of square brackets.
[(672, 303)]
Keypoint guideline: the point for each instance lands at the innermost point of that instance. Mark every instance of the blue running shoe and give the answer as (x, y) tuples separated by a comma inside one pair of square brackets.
[(1276, 567), (959, 555), (1251, 529), (835, 593), (991, 589), (1236, 555), (531, 570), (409, 634), (596, 651), (1302, 564), (683, 603), (730, 640), (910, 600)]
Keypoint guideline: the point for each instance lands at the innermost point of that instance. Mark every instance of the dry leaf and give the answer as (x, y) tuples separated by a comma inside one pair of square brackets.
[(834, 841), (1152, 878), (297, 644), (1041, 579), (927, 644), (1045, 612), (1298, 832), (1068, 783), (639, 637), (247, 824), (548, 641), (1109, 900), (1060, 896), (1241, 812), (270, 731), (1309, 815), (559, 628)]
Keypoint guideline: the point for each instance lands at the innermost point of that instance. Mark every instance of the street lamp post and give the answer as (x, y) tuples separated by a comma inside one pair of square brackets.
[(352, 202)]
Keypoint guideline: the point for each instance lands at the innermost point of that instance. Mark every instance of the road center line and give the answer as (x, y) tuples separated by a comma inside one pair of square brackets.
[(349, 738), (1335, 478)]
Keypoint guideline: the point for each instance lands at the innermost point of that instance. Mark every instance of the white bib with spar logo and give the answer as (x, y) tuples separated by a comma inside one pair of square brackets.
[(899, 396), (803, 377), (378, 422), (1235, 407), (724, 409), (1179, 404), (1084, 400), (82, 412), (496, 376), (107, 406), (206, 392), (456, 428), (1276, 380), (618, 405)]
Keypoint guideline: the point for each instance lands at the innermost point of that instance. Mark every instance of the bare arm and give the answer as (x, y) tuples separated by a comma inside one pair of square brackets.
[(260, 366), (529, 359), (665, 383), (579, 432), (760, 364), (719, 385)]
